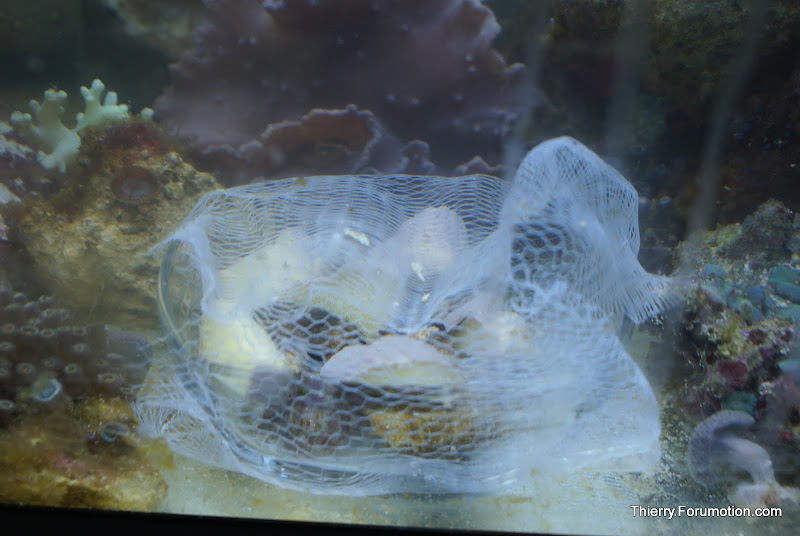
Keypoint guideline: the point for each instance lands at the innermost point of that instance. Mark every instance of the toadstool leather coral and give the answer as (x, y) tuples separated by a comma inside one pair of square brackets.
[(253, 67)]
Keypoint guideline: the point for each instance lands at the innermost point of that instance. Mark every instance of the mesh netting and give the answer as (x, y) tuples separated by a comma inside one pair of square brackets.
[(376, 334)]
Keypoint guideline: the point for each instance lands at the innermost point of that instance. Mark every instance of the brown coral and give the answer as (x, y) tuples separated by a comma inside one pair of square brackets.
[(320, 141), (90, 251), (425, 69), (125, 143), (135, 185)]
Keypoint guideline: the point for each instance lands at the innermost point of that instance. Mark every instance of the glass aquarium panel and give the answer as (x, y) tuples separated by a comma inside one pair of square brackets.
[(509, 265)]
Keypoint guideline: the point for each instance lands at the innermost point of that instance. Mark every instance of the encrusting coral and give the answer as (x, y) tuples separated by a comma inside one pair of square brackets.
[(64, 410), (253, 67), (741, 311), (43, 355)]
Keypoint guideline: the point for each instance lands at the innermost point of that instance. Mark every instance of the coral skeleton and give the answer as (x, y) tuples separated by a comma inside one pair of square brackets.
[(45, 125)]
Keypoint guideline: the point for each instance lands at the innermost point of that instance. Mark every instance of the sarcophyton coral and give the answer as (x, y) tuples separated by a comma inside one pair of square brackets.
[(62, 143), (414, 70)]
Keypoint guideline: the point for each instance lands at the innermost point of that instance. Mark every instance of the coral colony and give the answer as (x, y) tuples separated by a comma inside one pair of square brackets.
[(375, 90), (44, 354), (61, 144), (65, 420)]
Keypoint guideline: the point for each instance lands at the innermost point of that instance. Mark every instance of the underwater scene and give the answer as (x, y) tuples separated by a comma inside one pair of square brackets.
[(506, 265)]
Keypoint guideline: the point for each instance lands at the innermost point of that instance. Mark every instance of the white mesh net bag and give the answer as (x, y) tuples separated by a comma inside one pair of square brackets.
[(378, 334)]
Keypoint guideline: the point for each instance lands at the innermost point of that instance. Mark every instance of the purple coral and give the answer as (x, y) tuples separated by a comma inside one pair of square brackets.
[(424, 68), (712, 445)]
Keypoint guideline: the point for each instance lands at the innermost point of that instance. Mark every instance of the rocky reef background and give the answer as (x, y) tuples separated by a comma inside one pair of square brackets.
[(269, 91), (248, 90)]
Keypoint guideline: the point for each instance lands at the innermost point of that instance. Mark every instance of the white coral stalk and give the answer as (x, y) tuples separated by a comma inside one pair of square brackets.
[(60, 143), (99, 114), (48, 130)]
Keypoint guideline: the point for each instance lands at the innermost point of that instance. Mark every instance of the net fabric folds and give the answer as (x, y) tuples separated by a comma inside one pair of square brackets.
[(380, 334)]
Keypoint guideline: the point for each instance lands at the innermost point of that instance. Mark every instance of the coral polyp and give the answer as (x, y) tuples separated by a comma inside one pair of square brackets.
[(135, 185), (46, 390), (57, 382), (7, 410), (41, 365), (111, 432)]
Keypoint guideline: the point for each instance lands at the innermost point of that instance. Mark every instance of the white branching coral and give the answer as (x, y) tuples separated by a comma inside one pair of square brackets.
[(59, 142)]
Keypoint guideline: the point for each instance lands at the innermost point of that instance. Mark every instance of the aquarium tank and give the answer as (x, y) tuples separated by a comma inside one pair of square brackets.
[(499, 265)]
